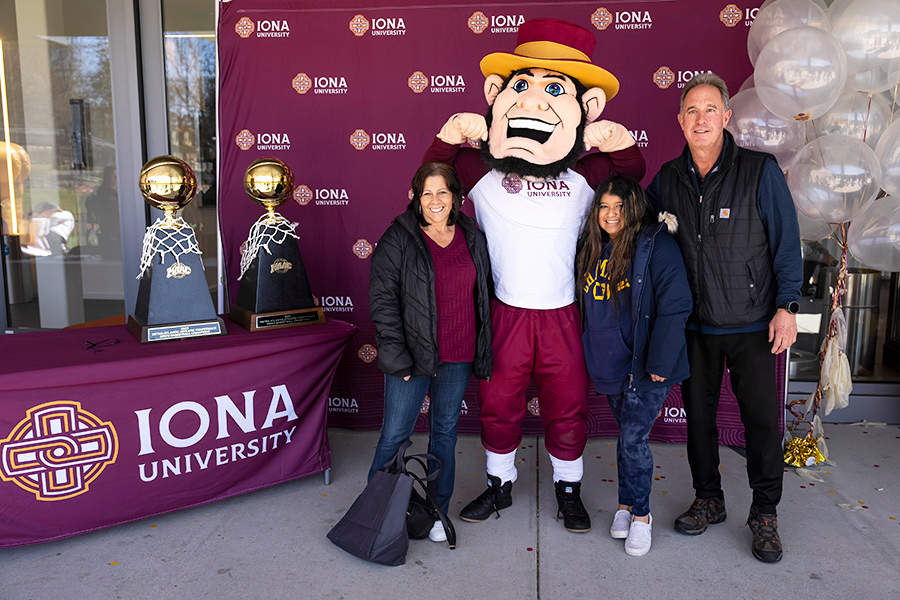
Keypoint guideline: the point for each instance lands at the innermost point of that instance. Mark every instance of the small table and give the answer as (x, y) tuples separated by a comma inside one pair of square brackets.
[(97, 429)]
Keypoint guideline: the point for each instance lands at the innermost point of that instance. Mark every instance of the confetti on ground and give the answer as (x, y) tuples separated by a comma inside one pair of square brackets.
[(113, 563), (323, 495), (530, 549), (849, 506), (152, 526)]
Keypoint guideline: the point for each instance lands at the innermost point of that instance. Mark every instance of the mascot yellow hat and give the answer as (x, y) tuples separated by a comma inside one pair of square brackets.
[(557, 46)]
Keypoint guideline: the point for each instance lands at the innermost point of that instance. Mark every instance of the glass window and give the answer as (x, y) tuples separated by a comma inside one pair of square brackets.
[(866, 307), (190, 56), (60, 210)]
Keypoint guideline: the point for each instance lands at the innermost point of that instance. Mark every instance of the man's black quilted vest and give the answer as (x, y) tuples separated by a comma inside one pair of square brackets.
[(722, 238)]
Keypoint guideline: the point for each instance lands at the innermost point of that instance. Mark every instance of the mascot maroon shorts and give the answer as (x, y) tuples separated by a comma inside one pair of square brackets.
[(546, 345)]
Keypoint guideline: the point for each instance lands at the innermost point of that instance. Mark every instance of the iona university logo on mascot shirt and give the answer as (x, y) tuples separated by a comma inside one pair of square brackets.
[(58, 450)]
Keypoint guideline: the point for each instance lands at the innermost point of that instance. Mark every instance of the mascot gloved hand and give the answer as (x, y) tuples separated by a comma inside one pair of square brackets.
[(531, 188), (607, 136), (463, 126)]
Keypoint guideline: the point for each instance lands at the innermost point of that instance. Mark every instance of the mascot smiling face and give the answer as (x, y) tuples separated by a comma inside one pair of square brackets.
[(541, 97)]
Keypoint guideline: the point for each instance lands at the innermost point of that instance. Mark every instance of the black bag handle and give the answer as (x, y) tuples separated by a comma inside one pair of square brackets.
[(421, 458), (398, 463), (445, 521)]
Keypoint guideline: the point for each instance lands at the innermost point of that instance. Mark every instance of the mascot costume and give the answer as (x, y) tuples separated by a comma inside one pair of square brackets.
[(531, 191)]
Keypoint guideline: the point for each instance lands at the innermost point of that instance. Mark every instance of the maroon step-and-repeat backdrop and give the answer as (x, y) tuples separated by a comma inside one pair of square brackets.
[(351, 93)]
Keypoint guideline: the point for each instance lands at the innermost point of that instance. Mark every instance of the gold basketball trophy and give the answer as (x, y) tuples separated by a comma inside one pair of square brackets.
[(274, 289), (173, 300)]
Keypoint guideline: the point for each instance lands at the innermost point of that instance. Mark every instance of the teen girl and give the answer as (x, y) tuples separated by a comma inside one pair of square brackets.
[(634, 295)]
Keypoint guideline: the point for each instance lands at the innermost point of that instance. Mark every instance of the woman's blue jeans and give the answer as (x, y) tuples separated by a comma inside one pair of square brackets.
[(402, 404), (635, 413)]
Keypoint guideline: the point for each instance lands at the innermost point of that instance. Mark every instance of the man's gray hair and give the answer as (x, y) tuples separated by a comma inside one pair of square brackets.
[(710, 79)]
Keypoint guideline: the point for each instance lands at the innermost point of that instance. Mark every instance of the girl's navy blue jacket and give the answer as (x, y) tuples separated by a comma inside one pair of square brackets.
[(660, 307)]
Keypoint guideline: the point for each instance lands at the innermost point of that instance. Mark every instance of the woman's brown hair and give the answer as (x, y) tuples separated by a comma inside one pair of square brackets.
[(418, 184)]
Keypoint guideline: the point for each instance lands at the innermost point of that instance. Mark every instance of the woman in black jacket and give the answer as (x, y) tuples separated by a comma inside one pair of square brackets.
[(429, 296)]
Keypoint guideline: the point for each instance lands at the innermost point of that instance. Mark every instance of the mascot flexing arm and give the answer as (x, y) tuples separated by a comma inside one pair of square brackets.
[(531, 192)]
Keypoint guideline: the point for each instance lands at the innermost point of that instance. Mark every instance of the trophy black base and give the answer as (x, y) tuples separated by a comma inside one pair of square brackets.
[(174, 331), (275, 320)]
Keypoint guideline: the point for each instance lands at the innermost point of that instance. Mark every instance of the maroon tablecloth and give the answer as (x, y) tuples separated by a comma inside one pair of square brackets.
[(97, 429)]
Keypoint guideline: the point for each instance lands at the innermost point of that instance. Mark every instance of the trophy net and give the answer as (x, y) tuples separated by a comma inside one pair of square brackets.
[(268, 229), (167, 236)]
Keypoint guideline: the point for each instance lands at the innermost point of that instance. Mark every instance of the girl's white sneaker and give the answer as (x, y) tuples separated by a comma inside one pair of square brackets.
[(638, 541), (621, 524)]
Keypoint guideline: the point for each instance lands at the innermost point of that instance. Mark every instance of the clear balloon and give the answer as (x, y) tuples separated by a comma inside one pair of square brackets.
[(756, 127), (800, 73), (748, 84), (834, 178), (781, 15), (888, 153), (857, 114), (837, 8), (820, 3), (813, 231), (874, 235), (869, 31)]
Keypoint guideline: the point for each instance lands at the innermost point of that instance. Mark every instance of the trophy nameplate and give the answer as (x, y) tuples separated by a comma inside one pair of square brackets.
[(274, 290), (173, 301)]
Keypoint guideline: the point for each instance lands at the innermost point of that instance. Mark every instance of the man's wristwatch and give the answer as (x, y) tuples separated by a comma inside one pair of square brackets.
[(792, 307)]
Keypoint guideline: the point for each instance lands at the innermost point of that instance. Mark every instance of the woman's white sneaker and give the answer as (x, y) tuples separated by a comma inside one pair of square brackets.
[(638, 541), (437, 533), (621, 524)]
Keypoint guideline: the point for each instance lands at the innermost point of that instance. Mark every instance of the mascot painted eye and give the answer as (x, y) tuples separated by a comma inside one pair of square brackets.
[(531, 189)]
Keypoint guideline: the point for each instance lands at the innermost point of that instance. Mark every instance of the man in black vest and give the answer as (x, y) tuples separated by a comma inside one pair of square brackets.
[(741, 244)]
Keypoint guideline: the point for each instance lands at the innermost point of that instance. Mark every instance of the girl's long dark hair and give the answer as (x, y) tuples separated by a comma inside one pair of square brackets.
[(593, 240)]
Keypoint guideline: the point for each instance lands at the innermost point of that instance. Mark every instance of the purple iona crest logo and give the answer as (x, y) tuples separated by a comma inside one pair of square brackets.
[(512, 184)]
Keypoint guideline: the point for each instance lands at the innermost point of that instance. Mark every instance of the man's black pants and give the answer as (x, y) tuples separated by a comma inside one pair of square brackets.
[(752, 368)]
